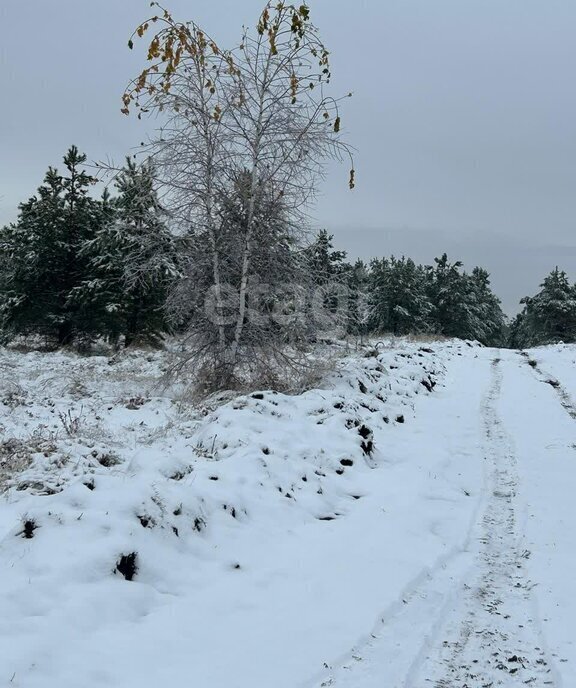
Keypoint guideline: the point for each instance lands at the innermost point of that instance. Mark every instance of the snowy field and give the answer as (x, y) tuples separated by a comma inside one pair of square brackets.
[(408, 524)]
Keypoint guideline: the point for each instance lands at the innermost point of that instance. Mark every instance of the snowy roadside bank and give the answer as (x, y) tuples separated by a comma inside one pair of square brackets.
[(266, 533)]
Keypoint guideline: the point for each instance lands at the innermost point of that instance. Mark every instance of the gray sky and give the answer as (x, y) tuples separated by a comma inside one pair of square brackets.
[(464, 117)]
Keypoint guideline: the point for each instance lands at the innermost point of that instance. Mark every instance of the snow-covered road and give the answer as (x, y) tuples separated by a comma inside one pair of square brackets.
[(276, 548), (502, 612)]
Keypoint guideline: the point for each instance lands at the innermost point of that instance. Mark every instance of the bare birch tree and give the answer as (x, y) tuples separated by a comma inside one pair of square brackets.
[(250, 128)]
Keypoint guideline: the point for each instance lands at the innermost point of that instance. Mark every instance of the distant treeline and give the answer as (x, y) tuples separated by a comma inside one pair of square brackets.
[(395, 295), (75, 269)]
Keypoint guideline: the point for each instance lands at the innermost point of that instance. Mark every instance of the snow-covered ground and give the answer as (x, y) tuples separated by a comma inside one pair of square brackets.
[(411, 523)]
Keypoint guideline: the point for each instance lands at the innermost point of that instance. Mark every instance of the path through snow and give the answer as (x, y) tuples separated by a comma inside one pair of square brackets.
[(492, 636), (478, 614)]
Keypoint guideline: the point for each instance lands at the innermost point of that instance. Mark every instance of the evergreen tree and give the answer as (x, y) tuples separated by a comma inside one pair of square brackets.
[(357, 282), (378, 290), (325, 263), (548, 317), (487, 317), (43, 252), (410, 304), (132, 260), (519, 334), (464, 305), (447, 291), (328, 274), (399, 300)]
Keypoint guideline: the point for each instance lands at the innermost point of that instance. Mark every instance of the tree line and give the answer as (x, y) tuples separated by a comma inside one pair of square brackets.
[(398, 296), (75, 268)]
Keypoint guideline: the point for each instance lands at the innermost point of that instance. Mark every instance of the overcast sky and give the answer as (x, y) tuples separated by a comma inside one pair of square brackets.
[(464, 117)]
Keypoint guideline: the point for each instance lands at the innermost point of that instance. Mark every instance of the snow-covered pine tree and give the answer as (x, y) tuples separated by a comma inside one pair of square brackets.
[(326, 264), (43, 254), (519, 331), (450, 294), (398, 294), (132, 260), (88, 293), (550, 315), (487, 318), (328, 272), (378, 291), (410, 305), (357, 283)]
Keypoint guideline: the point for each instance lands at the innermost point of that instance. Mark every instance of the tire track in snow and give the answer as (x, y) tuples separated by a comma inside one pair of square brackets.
[(378, 657), (563, 396), (492, 636)]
